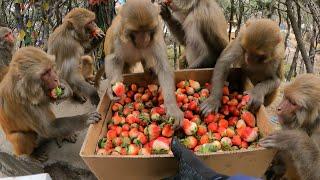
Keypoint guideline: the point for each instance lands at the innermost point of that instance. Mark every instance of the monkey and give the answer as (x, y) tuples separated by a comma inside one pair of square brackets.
[(136, 36), (68, 43), (87, 68), (299, 139), (259, 51), (200, 26), (25, 112), (6, 49)]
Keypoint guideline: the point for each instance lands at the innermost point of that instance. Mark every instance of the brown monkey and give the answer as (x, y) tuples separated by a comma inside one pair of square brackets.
[(259, 51), (299, 116), (87, 68), (199, 25), (25, 112), (6, 49), (136, 36), (68, 43)]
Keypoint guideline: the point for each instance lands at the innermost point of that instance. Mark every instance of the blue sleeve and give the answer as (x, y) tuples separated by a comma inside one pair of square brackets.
[(241, 177)]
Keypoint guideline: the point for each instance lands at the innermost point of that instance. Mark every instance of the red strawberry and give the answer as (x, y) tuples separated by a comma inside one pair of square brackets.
[(145, 118), (111, 134), (223, 123), (108, 145), (181, 97), (127, 111), (236, 112), (118, 89), (141, 139), (232, 109), (188, 115), (141, 129), (159, 110), (133, 133), (222, 131), (193, 105), (118, 130), (196, 119), (239, 97), (145, 151), (211, 118), (167, 131), (116, 119), (124, 134), (225, 91), (155, 117), (161, 145), (249, 118), (190, 90), (241, 124), (103, 152), (185, 106), (225, 110), (117, 107), (204, 93), (213, 127), (244, 101), (244, 144), (225, 99), (180, 90), (182, 84), (189, 127), (153, 89), (145, 97), (127, 100), (230, 132), (134, 87), (202, 129), (233, 102), (131, 118), (125, 141), (196, 95), (133, 149), (236, 140), (190, 142), (248, 134), (232, 121), (138, 106), (117, 141), (153, 131), (134, 125), (217, 136), (130, 94), (204, 139), (138, 97), (195, 85)]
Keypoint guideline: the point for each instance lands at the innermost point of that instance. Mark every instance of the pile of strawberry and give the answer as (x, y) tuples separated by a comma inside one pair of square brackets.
[(139, 125)]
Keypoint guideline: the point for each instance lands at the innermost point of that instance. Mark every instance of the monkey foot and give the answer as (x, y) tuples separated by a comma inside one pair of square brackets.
[(71, 139), (79, 98)]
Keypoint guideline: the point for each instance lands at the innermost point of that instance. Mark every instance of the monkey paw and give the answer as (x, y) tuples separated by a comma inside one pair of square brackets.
[(110, 94), (255, 101), (79, 98), (209, 106), (93, 117), (176, 113), (95, 99)]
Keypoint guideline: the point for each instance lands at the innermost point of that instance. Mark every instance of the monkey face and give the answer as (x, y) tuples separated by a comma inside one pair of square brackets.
[(9, 37), (286, 111), (255, 58), (6, 35), (141, 39), (49, 79)]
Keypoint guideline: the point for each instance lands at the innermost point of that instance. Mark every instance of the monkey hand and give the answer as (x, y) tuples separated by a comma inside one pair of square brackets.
[(285, 139), (67, 91), (164, 11), (174, 111), (93, 117), (110, 93), (210, 105), (94, 98), (255, 101)]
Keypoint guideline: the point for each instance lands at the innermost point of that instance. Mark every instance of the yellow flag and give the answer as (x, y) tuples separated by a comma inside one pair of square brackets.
[(29, 24), (21, 35)]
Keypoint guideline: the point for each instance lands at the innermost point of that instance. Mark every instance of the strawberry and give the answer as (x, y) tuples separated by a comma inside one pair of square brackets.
[(217, 144), (241, 124), (202, 129), (225, 110), (161, 145), (232, 109), (130, 94), (115, 153), (182, 84), (141, 90), (226, 143), (159, 110), (189, 127), (111, 134), (244, 101), (145, 118), (195, 85), (188, 115), (233, 102), (197, 148), (217, 136), (180, 90), (133, 133), (248, 134), (204, 93), (117, 107), (108, 145), (236, 112), (103, 152), (141, 139), (155, 117), (116, 119), (117, 141), (118, 130), (145, 151), (133, 149), (230, 132), (249, 118), (190, 90), (190, 142), (211, 118), (232, 121), (145, 97), (213, 127), (138, 106), (135, 113), (153, 131), (137, 97), (123, 151), (124, 134), (141, 128), (196, 95), (236, 140), (225, 91), (222, 131), (130, 119), (134, 87), (193, 106), (207, 85), (118, 89), (153, 89), (223, 123), (204, 139), (239, 97), (185, 100), (127, 100), (167, 131), (181, 97), (185, 106), (127, 111), (125, 141), (225, 99), (196, 119), (244, 144), (134, 125)]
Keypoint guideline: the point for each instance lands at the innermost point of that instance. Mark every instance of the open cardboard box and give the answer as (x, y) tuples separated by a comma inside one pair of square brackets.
[(248, 162)]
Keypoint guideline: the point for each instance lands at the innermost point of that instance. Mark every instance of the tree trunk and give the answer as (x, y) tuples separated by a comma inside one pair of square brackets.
[(288, 32), (175, 56), (241, 9), (293, 66), (298, 36), (312, 49), (231, 19), (315, 11)]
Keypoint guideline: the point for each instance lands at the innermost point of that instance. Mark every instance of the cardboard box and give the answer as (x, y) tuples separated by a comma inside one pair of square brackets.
[(249, 162)]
